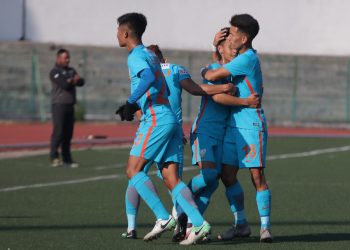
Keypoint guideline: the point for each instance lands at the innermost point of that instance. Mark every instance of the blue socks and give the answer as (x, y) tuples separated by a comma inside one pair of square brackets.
[(132, 202), (147, 191), (183, 197), (263, 200), (235, 197), (203, 179), (202, 198)]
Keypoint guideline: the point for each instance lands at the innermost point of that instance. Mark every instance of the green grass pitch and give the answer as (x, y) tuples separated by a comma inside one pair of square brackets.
[(46, 208)]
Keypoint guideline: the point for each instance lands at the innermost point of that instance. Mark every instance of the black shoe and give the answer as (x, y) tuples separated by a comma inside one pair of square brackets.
[(130, 235), (180, 230)]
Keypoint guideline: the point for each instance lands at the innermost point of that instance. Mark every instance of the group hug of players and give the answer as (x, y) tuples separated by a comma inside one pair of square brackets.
[(228, 134)]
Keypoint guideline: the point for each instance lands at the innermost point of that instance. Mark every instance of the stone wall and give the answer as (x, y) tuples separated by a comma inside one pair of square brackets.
[(297, 89)]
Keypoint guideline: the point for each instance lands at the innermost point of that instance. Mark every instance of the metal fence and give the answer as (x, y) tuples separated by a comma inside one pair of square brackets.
[(297, 89)]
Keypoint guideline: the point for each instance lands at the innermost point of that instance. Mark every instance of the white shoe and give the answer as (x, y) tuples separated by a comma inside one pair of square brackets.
[(196, 234), (265, 235), (236, 231), (160, 227)]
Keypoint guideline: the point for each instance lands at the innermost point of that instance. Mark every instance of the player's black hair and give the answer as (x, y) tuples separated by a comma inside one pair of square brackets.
[(136, 22), (247, 24), (61, 51), (227, 30), (155, 48)]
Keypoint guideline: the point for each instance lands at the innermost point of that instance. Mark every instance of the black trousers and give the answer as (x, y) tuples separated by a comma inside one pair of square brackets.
[(62, 133)]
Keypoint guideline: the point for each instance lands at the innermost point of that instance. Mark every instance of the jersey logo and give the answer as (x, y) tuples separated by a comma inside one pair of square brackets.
[(199, 230), (163, 226), (165, 66), (250, 152)]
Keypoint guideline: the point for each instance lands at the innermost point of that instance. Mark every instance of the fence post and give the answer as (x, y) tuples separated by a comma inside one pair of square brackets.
[(295, 89), (38, 97), (33, 85)]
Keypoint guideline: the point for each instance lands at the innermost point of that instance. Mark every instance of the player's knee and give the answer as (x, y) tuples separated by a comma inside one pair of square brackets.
[(130, 172), (259, 181), (228, 179)]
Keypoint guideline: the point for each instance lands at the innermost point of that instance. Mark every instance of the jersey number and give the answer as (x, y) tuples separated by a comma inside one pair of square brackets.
[(250, 152)]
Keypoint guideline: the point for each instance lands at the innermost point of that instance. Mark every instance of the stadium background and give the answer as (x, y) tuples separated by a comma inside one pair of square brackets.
[(303, 46)]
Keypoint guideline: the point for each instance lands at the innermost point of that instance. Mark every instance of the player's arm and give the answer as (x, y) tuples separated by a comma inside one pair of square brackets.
[(213, 75), (127, 111), (252, 101), (146, 80), (205, 89), (219, 36)]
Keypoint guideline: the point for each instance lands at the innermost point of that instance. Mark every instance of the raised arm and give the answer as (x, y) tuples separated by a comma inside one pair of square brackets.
[(215, 74)]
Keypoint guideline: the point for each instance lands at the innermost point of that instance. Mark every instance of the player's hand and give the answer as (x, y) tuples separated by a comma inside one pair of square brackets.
[(203, 71), (220, 35), (254, 101), (120, 112), (230, 89), (130, 110)]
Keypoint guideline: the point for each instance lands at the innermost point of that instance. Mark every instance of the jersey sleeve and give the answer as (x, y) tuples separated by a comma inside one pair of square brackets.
[(183, 73), (137, 63), (238, 66)]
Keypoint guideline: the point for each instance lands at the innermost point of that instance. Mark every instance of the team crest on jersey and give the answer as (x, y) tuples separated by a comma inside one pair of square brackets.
[(203, 152), (165, 66)]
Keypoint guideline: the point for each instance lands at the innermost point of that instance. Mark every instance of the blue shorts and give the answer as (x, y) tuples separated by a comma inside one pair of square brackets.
[(244, 148), (206, 149), (156, 143), (179, 159)]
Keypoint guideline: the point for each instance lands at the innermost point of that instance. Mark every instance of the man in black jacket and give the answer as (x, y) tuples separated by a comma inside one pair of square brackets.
[(63, 95)]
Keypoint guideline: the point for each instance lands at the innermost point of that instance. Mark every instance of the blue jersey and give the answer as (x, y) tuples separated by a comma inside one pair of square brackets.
[(154, 103), (212, 117), (247, 77), (174, 74)]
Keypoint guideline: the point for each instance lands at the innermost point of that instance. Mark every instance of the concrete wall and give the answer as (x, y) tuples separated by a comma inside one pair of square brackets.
[(310, 27), (298, 90)]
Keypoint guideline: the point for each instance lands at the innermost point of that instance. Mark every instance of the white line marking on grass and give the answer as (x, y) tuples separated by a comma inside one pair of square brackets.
[(62, 183), (309, 153), (119, 165), (187, 168)]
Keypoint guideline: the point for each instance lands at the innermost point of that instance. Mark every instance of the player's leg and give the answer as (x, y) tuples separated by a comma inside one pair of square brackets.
[(150, 142), (263, 201), (154, 146), (132, 202), (234, 192), (253, 156), (203, 155), (183, 197)]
